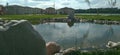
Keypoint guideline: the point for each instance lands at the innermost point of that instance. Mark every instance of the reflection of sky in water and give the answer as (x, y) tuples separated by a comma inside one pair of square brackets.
[(71, 36)]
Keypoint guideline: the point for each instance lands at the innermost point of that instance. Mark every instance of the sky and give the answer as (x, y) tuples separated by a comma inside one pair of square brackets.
[(76, 4)]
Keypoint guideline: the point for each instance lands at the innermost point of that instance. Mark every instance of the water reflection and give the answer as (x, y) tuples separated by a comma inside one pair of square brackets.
[(84, 42), (80, 34)]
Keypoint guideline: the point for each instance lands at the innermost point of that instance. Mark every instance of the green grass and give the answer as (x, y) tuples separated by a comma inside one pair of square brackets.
[(37, 18), (31, 18), (99, 17)]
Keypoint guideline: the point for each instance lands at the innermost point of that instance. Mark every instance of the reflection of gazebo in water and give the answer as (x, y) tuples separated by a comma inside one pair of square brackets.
[(109, 33), (84, 43)]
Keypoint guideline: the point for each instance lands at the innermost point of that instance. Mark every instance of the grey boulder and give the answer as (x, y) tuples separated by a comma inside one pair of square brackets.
[(20, 38)]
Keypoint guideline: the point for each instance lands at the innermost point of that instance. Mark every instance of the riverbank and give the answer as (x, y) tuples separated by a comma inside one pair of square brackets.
[(34, 19), (39, 18)]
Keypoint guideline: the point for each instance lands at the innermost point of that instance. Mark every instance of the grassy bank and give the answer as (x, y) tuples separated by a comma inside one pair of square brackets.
[(31, 18), (37, 18), (100, 17)]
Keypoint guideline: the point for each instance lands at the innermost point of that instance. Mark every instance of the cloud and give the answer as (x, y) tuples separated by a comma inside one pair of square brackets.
[(77, 4), (65, 3), (44, 5), (40, 0), (80, 1), (102, 3)]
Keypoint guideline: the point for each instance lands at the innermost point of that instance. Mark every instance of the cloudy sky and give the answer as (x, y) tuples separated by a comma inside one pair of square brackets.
[(76, 4)]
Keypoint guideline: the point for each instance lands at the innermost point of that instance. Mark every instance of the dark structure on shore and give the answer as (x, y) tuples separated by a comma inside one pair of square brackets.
[(1, 10), (15, 9), (66, 11), (50, 10)]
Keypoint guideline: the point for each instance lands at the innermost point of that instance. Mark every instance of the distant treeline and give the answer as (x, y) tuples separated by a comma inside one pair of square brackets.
[(98, 10)]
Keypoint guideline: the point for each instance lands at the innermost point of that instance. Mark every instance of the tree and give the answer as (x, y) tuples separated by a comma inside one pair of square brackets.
[(88, 2), (112, 3)]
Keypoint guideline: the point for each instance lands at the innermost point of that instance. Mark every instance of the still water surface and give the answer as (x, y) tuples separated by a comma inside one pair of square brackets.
[(81, 35)]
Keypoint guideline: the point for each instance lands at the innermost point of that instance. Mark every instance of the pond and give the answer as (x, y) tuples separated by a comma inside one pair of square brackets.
[(83, 35)]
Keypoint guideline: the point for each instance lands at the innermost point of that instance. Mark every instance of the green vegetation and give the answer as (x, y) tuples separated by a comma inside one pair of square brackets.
[(99, 52), (37, 18), (100, 17), (31, 18)]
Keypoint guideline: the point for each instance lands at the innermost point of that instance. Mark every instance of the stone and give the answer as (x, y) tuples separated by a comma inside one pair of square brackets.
[(20, 38), (52, 48), (112, 44), (70, 51)]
